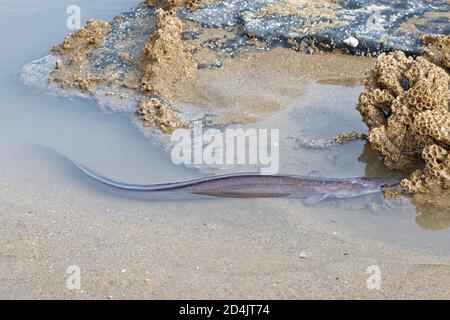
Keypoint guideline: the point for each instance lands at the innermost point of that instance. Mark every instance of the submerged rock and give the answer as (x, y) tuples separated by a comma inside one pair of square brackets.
[(378, 25)]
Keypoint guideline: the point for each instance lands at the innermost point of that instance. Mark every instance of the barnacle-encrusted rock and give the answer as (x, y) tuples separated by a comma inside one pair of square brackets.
[(438, 49), (433, 123), (436, 173), (74, 69), (405, 104), (81, 41), (154, 113), (437, 165), (347, 137), (166, 60), (192, 5)]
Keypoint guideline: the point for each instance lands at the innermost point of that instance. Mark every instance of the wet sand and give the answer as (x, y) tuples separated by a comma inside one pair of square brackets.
[(255, 85), (242, 249)]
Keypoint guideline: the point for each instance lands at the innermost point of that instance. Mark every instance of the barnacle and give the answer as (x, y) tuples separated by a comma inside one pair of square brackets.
[(346, 137), (437, 160), (155, 113), (192, 5), (84, 39), (438, 49), (405, 104), (415, 183), (433, 123)]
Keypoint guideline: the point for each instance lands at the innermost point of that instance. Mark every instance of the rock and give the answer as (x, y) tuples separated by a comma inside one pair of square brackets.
[(352, 42), (303, 255), (380, 25), (112, 71)]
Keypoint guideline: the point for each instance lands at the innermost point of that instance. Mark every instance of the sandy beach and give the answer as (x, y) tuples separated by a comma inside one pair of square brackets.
[(53, 220), (129, 254), (246, 249)]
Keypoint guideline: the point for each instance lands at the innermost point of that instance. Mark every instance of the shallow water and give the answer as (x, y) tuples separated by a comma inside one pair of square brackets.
[(110, 143)]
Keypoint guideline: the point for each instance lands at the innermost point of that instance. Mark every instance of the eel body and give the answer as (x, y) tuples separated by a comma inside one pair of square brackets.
[(312, 188)]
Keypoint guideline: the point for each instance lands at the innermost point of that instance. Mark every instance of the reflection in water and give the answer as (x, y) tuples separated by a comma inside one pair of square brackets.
[(432, 210), (375, 167)]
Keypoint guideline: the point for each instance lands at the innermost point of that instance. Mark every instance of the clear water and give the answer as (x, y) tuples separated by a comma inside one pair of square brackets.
[(109, 143)]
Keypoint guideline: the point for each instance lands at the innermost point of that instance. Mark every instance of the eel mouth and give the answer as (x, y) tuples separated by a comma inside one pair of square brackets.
[(391, 183), (384, 184)]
